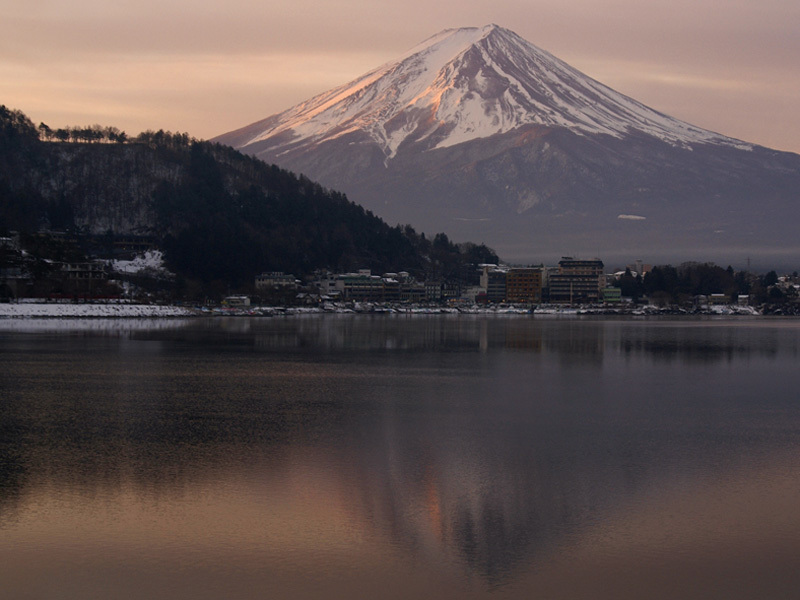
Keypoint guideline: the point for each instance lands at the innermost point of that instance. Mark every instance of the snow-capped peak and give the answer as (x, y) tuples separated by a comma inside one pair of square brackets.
[(464, 84)]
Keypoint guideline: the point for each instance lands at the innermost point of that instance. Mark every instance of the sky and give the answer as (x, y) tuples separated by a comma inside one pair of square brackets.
[(208, 67)]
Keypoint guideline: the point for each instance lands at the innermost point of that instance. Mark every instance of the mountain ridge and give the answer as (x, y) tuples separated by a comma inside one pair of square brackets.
[(478, 132), (499, 76)]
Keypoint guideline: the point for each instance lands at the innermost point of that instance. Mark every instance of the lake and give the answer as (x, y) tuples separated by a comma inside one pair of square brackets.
[(451, 457)]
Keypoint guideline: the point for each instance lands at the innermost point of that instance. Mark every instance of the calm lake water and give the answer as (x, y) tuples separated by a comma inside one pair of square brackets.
[(400, 457)]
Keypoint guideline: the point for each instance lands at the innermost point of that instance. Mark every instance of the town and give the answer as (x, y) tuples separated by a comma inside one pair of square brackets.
[(574, 282), (138, 275)]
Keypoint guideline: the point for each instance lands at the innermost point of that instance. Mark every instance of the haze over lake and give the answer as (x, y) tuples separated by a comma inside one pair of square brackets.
[(400, 457)]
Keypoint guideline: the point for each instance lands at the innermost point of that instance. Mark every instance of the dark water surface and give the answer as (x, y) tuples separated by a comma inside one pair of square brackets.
[(397, 457)]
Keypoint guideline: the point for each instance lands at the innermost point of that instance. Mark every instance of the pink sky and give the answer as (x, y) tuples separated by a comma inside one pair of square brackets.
[(207, 67)]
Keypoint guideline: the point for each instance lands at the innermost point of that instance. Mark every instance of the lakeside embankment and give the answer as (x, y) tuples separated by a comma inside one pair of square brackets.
[(52, 310)]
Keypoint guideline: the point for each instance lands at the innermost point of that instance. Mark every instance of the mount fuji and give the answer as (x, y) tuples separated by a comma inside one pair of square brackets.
[(483, 135)]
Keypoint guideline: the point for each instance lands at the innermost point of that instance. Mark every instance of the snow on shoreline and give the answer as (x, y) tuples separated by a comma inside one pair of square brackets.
[(58, 310), (30, 310)]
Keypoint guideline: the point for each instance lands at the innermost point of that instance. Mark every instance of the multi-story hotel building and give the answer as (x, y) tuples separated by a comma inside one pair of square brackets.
[(493, 280), (524, 285), (577, 280)]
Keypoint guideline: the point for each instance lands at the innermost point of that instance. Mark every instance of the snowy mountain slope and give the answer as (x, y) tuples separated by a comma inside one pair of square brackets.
[(483, 135), (465, 84)]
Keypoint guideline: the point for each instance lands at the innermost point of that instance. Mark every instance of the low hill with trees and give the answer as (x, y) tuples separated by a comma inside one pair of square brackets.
[(220, 217)]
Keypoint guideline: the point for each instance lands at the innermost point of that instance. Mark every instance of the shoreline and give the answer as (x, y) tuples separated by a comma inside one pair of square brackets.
[(52, 310)]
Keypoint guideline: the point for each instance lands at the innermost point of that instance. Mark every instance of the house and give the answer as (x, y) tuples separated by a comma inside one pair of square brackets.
[(275, 279), (84, 271), (236, 301), (612, 295), (472, 294)]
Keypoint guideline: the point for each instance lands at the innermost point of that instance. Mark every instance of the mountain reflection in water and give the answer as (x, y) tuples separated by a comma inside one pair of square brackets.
[(450, 457)]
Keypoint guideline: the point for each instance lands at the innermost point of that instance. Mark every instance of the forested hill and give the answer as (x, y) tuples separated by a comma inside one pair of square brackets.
[(217, 214)]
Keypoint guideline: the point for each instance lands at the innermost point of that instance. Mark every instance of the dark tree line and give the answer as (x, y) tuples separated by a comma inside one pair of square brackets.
[(164, 139), (99, 134), (88, 134), (680, 284)]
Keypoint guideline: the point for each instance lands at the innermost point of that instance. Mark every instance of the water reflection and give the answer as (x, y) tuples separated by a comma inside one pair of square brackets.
[(493, 448)]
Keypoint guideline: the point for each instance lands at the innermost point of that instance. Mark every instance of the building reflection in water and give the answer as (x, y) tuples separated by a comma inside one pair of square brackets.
[(488, 443)]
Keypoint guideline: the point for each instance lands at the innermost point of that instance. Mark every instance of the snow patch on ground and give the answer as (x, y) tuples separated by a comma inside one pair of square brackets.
[(151, 261)]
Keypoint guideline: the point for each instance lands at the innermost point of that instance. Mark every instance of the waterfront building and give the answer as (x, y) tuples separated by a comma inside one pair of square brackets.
[(275, 279), (412, 292), (361, 286), (577, 280), (524, 285), (433, 290), (493, 281)]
